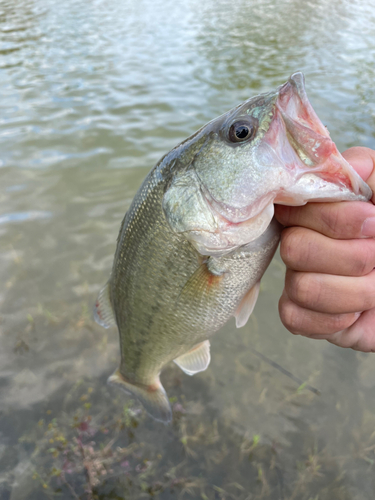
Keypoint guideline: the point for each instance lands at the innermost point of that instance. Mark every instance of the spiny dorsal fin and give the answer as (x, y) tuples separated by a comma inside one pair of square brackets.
[(196, 360), (247, 305), (103, 312)]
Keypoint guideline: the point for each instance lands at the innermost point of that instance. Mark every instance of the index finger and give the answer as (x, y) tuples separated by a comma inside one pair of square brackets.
[(344, 221)]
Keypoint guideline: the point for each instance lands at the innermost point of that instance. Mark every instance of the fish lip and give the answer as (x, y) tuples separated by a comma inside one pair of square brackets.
[(293, 100), (297, 81), (319, 162), (311, 141)]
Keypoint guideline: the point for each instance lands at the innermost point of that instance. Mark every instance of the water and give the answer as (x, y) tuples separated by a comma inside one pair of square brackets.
[(93, 94)]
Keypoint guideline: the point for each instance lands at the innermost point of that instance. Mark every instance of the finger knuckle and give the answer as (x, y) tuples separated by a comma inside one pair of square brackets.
[(291, 247), (331, 217), (368, 299), (363, 260), (366, 292), (339, 322), (360, 266), (289, 317), (303, 289)]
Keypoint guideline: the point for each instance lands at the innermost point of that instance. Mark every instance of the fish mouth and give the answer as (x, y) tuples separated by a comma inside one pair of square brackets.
[(321, 173), (294, 161), (306, 164)]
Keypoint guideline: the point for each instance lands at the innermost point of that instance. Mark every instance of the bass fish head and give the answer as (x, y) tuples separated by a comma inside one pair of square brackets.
[(270, 149)]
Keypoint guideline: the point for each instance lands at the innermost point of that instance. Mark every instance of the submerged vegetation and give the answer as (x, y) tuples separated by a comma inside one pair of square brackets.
[(95, 447), (268, 440), (245, 430), (94, 93)]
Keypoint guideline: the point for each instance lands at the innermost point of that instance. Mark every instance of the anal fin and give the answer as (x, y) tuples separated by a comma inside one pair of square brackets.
[(247, 305), (103, 312), (196, 360)]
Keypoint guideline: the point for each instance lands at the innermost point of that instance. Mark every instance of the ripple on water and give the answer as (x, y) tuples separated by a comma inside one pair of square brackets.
[(25, 216), (93, 93)]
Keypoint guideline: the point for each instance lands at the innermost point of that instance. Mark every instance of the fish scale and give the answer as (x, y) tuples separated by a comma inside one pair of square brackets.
[(148, 285)]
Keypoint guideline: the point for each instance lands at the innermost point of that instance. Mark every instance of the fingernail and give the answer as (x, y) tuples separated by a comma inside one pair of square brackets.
[(368, 227)]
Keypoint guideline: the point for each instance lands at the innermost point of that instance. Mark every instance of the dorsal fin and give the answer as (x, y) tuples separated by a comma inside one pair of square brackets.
[(103, 312)]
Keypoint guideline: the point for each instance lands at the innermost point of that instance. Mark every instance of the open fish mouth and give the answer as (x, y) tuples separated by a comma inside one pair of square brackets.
[(282, 155), (324, 168), (306, 164)]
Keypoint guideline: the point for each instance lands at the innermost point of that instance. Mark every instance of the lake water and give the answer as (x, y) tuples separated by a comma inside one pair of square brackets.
[(93, 93)]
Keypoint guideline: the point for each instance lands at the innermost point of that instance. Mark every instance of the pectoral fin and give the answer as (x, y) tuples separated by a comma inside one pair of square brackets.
[(196, 360), (246, 306), (202, 285)]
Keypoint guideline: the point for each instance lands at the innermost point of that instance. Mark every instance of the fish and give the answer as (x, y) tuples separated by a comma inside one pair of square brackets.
[(200, 233)]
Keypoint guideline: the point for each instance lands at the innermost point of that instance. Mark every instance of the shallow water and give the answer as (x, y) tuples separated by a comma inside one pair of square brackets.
[(93, 94)]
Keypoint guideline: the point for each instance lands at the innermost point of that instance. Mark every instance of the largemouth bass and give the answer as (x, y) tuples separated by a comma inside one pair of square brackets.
[(200, 233)]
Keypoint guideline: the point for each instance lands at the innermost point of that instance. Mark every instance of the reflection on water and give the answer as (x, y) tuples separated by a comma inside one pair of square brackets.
[(23, 216), (93, 94)]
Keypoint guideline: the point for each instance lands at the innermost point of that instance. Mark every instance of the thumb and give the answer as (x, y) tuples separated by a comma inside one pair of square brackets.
[(363, 161)]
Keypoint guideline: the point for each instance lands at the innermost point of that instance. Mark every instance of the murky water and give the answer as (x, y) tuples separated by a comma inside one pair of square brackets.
[(93, 93)]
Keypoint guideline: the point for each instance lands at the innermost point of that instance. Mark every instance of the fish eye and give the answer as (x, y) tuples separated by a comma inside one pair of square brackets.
[(242, 131)]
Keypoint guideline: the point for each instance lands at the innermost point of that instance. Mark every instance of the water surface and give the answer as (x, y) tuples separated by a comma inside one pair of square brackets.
[(93, 93)]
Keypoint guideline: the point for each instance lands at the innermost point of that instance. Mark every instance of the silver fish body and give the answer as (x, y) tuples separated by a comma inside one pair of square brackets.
[(200, 233)]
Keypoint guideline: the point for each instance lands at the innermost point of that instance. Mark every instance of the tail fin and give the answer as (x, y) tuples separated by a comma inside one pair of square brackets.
[(153, 397)]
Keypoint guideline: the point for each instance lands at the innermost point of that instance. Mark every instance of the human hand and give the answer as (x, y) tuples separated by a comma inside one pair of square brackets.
[(329, 251)]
